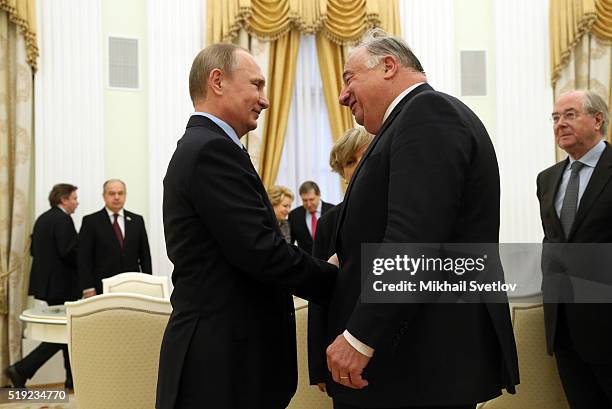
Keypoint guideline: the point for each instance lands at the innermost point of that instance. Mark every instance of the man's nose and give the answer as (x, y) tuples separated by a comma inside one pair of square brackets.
[(344, 96)]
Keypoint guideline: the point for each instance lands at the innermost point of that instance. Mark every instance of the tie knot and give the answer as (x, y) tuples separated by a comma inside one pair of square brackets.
[(576, 166), (116, 216)]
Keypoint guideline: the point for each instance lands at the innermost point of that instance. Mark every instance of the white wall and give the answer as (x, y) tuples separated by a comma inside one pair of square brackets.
[(176, 33), (524, 138)]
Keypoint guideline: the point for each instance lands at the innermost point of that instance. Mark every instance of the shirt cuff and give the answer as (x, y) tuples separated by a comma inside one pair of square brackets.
[(88, 289), (358, 345)]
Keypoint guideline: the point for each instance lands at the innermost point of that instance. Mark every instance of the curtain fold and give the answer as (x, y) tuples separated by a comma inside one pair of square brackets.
[(22, 13), (16, 125), (602, 27), (331, 64), (342, 21), (570, 20), (281, 76)]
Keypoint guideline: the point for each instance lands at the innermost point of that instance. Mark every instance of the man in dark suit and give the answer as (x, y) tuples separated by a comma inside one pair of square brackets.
[(575, 197), (230, 341), (111, 241), (429, 176), (53, 277), (303, 219)]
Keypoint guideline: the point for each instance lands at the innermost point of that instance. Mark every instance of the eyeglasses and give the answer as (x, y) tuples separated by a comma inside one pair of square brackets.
[(568, 116)]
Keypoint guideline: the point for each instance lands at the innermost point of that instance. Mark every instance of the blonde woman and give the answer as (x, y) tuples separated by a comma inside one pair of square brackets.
[(281, 198)]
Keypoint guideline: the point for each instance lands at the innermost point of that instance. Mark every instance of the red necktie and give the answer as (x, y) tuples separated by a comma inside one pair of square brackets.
[(313, 224), (118, 230)]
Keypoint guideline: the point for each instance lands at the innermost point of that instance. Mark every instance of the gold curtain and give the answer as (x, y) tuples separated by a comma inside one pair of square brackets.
[(17, 63), (331, 64), (23, 14), (283, 61), (337, 25), (569, 21), (342, 21)]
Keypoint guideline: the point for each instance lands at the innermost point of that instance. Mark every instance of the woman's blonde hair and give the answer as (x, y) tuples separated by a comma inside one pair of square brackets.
[(346, 147), (277, 193)]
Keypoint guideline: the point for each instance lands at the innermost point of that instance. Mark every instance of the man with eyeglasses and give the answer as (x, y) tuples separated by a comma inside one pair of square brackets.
[(575, 206)]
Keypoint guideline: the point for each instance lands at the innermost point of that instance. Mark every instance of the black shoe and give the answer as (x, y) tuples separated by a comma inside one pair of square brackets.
[(17, 380), (69, 384)]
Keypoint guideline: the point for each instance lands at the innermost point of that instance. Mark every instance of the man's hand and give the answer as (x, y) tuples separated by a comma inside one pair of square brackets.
[(346, 363), (90, 293), (322, 387)]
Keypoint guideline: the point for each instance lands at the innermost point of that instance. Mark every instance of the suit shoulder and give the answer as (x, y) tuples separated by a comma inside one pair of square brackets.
[(327, 206), (330, 216), (132, 214), (92, 217), (296, 212), (551, 169)]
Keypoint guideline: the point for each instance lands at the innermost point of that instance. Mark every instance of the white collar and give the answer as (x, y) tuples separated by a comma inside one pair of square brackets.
[(399, 98)]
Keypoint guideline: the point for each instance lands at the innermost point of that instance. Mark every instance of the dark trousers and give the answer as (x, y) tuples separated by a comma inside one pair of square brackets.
[(28, 366), (338, 405), (586, 385)]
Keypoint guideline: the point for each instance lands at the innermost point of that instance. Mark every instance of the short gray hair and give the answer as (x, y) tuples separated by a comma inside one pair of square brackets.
[(378, 44), (221, 56), (594, 103), (112, 181)]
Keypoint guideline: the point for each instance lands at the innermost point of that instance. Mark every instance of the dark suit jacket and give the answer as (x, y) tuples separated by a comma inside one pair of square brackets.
[(589, 325), (100, 255), (54, 245), (323, 248), (230, 341), (299, 230), (429, 176)]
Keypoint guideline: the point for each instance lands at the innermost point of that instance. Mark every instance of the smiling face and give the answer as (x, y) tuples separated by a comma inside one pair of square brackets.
[(244, 92), (362, 89), (576, 131), (281, 209)]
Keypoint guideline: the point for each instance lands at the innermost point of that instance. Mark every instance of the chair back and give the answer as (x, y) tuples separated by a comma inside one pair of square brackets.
[(540, 385), (138, 283), (114, 342)]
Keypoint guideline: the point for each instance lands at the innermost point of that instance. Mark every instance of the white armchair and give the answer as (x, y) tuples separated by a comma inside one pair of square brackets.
[(114, 342), (306, 396), (138, 283), (540, 385)]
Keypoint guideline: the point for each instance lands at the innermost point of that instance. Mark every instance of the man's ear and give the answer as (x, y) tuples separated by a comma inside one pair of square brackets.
[(390, 66), (598, 120), (215, 81)]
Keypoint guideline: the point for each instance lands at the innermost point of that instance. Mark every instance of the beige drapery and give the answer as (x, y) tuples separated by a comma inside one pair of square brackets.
[(581, 47), (337, 24), (18, 54)]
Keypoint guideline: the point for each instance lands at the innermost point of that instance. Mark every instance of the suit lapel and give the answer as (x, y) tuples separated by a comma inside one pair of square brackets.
[(599, 178), (127, 223), (549, 200), (384, 127)]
